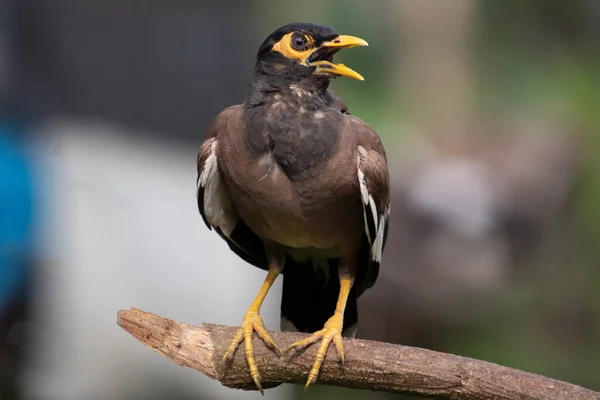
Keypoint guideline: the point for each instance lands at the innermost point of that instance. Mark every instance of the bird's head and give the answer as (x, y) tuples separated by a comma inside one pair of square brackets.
[(300, 50)]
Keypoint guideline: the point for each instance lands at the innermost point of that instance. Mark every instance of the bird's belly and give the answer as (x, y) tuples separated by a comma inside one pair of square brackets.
[(305, 254), (296, 232), (320, 227), (295, 214)]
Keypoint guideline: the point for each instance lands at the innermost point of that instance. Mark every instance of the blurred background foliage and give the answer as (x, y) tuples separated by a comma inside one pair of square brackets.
[(490, 115)]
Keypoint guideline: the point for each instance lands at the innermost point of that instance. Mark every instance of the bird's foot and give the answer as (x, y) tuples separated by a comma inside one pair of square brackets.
[(252, 322), (331, 332)]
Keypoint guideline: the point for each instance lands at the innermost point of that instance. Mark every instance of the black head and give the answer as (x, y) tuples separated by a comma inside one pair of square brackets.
[(298, 50)]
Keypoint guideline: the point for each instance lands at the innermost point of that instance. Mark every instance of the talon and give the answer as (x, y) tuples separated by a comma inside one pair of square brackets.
[(330, 333), (235, 342), (251, 323), (258, 385), (264, 335), (314, 338), (308, 383)]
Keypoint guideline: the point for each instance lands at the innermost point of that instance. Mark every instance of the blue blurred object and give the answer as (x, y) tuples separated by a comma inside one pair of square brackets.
[(16, 213)]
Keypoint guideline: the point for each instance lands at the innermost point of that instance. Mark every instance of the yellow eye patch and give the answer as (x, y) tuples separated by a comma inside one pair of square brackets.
[(284, 46)]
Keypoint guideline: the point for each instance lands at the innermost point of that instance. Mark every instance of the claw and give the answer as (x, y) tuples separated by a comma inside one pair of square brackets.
[(235, 342), (252, 323), (256, 380), (314, 338), (264, 335), (331, 332), (337, 341)]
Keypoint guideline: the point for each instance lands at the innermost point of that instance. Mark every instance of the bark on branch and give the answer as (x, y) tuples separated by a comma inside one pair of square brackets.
[(369, 365)]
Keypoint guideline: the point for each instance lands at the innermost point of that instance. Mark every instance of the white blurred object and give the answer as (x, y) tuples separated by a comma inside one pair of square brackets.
[(458, 191), (122, 230), (468, 219)]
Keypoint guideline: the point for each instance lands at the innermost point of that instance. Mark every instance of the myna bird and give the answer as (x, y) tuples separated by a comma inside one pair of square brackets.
[(296, 185)]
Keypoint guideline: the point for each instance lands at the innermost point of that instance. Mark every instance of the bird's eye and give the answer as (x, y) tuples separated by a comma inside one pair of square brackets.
[(299, 42)]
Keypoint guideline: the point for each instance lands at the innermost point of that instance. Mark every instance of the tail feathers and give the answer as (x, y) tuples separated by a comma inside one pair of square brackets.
[(309, 298)]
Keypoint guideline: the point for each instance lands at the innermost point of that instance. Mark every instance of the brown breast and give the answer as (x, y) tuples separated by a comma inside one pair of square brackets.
[(324, 211)]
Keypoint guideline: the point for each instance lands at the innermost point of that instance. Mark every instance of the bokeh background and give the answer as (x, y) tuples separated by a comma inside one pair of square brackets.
[(490, 113)]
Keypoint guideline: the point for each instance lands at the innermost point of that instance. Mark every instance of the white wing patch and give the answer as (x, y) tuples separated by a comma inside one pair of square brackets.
[(217, 206), (377, 247), (380, 217), (365, 197)]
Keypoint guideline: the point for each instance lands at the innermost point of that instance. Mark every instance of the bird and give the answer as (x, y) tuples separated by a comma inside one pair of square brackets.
[(297, 185)]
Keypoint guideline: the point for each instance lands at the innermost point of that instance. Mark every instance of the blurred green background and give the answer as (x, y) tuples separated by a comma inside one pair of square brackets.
[(490, 113)]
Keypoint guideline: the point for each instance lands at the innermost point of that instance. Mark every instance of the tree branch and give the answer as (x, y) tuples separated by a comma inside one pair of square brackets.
[(369, 365)]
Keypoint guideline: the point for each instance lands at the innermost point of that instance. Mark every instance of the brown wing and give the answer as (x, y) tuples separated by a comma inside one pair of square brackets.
[(374, 181), (214, 203)]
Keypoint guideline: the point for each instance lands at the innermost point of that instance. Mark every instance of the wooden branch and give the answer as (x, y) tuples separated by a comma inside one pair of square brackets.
[(369, 365)]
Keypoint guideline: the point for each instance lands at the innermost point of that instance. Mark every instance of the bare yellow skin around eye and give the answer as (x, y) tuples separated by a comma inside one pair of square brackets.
[(284, 46)]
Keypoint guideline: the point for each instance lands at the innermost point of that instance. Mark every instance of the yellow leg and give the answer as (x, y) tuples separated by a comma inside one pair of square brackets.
[(253, 322), (332, 331)]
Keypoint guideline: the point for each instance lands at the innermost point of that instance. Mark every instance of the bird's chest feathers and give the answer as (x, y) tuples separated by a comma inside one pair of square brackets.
[(288, 144), (297, 136)]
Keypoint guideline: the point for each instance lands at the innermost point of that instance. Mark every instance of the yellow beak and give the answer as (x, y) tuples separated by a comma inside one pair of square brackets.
[(325, 67), (345, 42), (339, 43)]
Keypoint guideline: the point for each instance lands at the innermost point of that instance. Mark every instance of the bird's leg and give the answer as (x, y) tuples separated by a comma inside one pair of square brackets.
[(253, 322), (332, 330)]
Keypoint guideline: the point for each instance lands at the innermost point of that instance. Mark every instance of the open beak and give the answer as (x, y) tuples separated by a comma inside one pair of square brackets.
[(328, 49), (325, 67)]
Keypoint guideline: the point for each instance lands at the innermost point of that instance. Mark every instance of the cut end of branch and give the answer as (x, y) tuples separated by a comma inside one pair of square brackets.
[(368, 365)]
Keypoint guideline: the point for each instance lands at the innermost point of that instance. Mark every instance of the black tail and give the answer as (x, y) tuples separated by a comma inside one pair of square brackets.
[(309, 298)]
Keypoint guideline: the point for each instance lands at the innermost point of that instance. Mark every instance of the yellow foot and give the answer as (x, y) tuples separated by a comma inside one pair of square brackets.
[(331, 332), (252, 323)]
